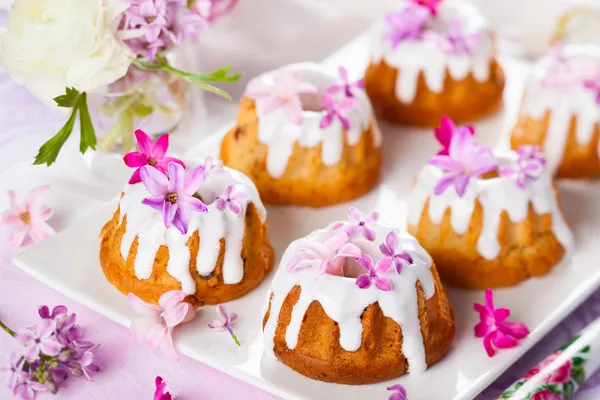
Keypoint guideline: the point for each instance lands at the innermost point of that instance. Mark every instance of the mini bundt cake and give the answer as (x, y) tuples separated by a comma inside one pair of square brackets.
[(357, 302), (560, 111), (305, 137), (202, 230), (433, 58), (488, 218)]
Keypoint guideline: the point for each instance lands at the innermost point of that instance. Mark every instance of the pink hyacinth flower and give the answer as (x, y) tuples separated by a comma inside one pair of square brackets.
[(161, 390), (375, 273), (225, 322), (399, 392), (359, 223), (282, 93), (346, 87), (27, 217), (328, 257), (405, 24), (337, 109), (431, 5), (493, 327), (233, 199), (457, 41), (444, 133), (173, 194), (466, 159), (42, 339), (156, 323), (390, 249), (152, 154), (212, 10), (528, 167)]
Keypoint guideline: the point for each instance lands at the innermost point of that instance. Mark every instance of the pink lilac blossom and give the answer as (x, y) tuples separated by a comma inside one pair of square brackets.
[(405, 24), (282, 93), (27, 388), (156, 323), (390, 250), (161, 390), (529, 166), (27, 217), (399, 392), (375, 273), (173, 194), (152, 154), (466, 159), (42, 339), (14, 369), (457, 41), (337, 109), (345, 86), (560, 74), (444, 133), (361, 224), (493, 327), (211, 10), (233, 199), (328, 257), (212, 166), (225, 322), (431, 5)]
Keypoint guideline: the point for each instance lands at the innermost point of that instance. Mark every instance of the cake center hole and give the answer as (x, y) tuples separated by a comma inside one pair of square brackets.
[(311, 102), (352, 269)]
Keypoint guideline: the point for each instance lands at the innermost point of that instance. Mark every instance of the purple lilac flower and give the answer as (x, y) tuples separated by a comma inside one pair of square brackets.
[(232, 198), (375, 273), (389, 250), (458, 40), (27, 388), (14, 369), (224, 322), (359, 223), (466, 159), (405, 24), (399, 392), (41, 339), (45, 313), (337, 109), (345, 86), (173, 194), (529, 166)]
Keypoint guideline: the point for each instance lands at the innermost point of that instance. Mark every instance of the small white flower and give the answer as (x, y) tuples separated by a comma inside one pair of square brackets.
[(53, 44)]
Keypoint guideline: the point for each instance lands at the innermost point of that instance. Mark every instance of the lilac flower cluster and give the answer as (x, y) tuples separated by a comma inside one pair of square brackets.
[(157, 25), (339, 99), (53, 350)]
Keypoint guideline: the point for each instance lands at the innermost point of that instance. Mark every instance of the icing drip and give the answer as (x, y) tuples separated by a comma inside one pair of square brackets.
[(413, 57), (496, 195), (147, 225), (277, 132), (344, 303), (563, 104)]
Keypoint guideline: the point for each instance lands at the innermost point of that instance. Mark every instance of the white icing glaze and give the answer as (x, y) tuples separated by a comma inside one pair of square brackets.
[(344, 303), (147, 224), (563, 104), (411, 57), (495, 195), (277, 132)]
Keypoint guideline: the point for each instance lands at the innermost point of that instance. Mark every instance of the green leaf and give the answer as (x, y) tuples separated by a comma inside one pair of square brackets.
[(586, 349), (69, 99), (142, 110), (519, 384), (49, 151), (578, 361), (88, 134), (570, 342), (568, 389), (148, 66), (578, 375), (507, 394)]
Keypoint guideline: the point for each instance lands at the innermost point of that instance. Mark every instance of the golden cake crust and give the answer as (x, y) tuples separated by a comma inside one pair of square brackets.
[(579, 161), (318, 354), (306, 180), (461, 100), (528, 248), (257, 254)]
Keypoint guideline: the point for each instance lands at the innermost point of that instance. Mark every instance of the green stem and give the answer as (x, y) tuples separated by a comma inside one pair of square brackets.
[(126, 122), (236, 339), (7, 329)]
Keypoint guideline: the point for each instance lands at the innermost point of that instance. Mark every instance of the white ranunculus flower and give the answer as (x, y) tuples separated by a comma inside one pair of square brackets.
[(53, 44)]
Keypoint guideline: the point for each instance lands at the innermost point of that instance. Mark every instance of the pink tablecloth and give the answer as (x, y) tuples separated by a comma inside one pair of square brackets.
[(253, 40)]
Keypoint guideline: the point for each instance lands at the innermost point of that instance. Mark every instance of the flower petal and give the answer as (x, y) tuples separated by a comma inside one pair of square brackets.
[(169, 211), (354, 214), (33, 201), (167, 348), (17, 204), (171, 299), (177, 315), (141, 306), (156, 203), (366, 262), (135, 177), (391, 241), (144, 142), (193, 179), (363, 281), (155, 181), (176, 175), (40, 231), (217, 325), (383, 284), (516, 329), (135, 159), (181, 221), (503, 341), (222, 312), (383, 265), (160, 147), (191, 204)]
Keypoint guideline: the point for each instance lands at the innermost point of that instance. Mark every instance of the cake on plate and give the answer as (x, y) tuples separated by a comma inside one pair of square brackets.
[(200, 229), (305, 136), (560, 111), (489, 218), (431, 58), (357, 302)]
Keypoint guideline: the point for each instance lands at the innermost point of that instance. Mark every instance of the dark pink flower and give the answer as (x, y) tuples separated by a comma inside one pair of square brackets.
[(528, 167), (42, 339), (493, 327), (232, 199), (337, 109), (560, 374), (173, 194), (399, 392), (390, 249), (466, 159), (375, 273), (431, 5), (44, 312), (545, 394), (359, 223), (152, 154), (405, 24), (224, 322), (161, 390), (444, 133), (345, 86)]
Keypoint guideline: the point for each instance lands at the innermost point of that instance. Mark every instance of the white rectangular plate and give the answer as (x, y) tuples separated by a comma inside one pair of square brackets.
[(69, 263)]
